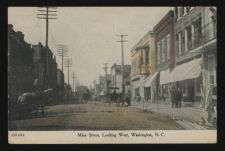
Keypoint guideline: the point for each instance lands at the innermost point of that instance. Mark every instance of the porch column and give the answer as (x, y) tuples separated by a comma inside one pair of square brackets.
[(185, 40), (192, 36)]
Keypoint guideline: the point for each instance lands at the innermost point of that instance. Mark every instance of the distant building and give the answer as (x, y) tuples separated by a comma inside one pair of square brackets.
[(102, 83), (97, 89), (116, 77), (39, 64), (82, 90), (60, 82), (20, 63), (68, 93)]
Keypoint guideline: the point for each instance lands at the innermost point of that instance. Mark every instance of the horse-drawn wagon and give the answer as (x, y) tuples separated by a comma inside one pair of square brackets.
[(30, 101)]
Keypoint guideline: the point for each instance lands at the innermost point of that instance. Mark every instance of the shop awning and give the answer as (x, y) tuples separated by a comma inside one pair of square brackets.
[(149, 81), (142, 82), (182, 72)]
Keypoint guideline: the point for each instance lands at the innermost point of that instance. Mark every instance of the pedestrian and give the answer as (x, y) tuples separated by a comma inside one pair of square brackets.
[(176, 97), (114, 96), (179, 97), (191, 94), (173, 100), (128, 98)]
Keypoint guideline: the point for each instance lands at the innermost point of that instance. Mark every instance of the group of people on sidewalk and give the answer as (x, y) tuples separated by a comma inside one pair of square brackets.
[(176, 97)]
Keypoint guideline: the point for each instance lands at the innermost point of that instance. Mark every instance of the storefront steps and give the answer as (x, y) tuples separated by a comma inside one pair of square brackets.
[(190, 125)]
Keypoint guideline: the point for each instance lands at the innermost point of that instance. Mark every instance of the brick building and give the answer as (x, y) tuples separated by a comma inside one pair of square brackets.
[(20, 78), (196, 48), (165, 53)]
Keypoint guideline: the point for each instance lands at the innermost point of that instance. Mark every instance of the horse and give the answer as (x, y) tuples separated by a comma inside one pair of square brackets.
[(34, 100)]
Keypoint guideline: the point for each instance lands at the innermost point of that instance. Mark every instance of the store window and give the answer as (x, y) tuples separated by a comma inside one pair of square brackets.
[(168, 46), (137, 92)]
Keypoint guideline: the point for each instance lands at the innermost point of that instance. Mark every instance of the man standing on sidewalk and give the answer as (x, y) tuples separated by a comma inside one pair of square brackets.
[(179, 97), (172, 93)]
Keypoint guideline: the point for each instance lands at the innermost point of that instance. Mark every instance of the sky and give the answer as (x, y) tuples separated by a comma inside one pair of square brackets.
[(89, 33)]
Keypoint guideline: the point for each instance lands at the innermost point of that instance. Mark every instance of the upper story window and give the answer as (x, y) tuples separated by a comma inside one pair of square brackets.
[(142, 57), (147, 56), (180, 12), (183, 41), (168, 46), (197, 32), (188, 8), (158, 52), (179, 43), (163, 50), (189, 37)]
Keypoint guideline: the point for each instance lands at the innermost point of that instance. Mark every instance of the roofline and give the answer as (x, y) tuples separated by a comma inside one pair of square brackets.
[(170, 12), (150, 32)]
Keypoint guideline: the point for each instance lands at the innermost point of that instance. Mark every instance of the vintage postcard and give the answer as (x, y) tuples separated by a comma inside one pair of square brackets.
[(112, 75)]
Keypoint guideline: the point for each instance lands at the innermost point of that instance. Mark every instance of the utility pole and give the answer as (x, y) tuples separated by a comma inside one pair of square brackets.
[(76, 83), (62, 52), (115, 76), (68, 65), (73, 82), (122, 67), (47, 13), (95, 87), (106, 77)]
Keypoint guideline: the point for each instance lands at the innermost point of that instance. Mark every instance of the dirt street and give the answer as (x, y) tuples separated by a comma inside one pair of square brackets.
[(95, 116)]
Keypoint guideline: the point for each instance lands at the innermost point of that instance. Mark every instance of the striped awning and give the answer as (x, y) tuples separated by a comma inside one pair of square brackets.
[(182, 72)]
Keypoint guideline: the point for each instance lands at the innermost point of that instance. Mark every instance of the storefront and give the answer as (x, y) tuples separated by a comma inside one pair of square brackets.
[(150, 87), (187, 76)]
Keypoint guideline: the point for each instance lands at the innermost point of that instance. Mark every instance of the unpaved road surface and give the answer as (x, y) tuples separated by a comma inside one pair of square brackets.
[(95, 116)]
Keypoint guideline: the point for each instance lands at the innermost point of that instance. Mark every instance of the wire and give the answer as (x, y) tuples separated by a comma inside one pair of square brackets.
[(53, 40)]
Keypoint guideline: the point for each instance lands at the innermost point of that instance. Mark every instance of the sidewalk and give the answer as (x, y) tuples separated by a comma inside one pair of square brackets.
[(190, 114)]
